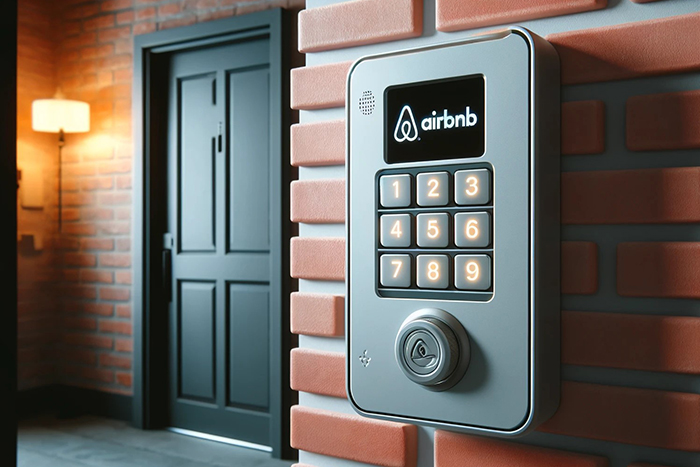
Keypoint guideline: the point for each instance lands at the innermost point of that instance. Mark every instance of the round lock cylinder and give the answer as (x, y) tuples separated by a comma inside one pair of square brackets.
[(432, 349)]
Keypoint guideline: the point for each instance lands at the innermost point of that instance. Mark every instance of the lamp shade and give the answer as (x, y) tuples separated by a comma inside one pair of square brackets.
[(54, 115)]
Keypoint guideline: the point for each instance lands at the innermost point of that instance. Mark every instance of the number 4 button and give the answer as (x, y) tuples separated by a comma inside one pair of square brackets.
[(472, 187)]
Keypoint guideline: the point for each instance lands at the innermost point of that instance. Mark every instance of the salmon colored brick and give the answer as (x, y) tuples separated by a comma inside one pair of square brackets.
[(579, 268), (318, 372), (582, 127), (635, 342), (649, 196), (661, 419), (314, 314), (456, 450), (664, 121), (319, 87), (455, 15), (630, 50), (318, 143), (658, 269), (318, 258), (355, 438), (318, 201), (359, 22)]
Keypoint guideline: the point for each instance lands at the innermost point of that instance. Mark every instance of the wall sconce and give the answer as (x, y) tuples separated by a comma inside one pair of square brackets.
[(59, 115)]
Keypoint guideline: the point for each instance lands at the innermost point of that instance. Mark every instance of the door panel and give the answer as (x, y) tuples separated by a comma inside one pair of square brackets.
[(250, 155), (197, 107), (219, 211), (249, 344), (197, 341)]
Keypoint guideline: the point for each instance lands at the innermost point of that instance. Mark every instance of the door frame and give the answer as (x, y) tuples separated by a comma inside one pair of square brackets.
[(150, 369)]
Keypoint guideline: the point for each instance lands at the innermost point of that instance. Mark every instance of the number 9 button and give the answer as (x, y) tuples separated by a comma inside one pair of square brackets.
[(472, 272)]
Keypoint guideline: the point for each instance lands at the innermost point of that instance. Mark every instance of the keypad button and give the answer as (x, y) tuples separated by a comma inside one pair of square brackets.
[(472, 229), (395, 191), (433, 271), (433, 189), (395, 230), (395, 271), (432, 230), (472, 272), (472, 187)]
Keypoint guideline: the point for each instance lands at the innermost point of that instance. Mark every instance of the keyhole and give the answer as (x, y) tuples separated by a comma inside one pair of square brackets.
[(421, 351)]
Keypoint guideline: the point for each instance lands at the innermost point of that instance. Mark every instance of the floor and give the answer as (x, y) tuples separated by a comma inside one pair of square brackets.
[(101, 442)]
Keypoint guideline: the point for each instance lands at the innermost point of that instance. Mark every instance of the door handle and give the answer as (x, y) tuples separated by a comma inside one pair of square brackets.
[(167, 264)]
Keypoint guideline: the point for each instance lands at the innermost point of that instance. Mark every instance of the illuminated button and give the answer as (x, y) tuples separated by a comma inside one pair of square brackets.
[(433, 189), (472, 229), (433, 230), (395, 230), (472, 187), (473, 272), (395, 191), (433, 271), (395, 271)]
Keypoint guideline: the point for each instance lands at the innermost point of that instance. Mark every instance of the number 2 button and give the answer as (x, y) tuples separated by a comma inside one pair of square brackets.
[(433, 189)]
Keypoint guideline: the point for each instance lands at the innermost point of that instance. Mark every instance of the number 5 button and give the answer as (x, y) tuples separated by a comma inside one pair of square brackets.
[(472, 187), (472, 272), (432, 230)]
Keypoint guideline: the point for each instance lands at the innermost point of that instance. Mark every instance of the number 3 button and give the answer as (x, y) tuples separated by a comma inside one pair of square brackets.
[(472, 187)]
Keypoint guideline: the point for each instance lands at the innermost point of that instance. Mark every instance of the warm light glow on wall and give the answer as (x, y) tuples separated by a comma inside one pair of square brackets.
[(54, 115)]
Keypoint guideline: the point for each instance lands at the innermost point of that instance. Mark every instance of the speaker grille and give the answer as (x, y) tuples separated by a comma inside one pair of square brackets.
[(367, 103)]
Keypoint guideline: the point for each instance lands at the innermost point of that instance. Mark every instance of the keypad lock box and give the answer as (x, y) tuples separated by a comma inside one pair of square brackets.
[(452, 271)]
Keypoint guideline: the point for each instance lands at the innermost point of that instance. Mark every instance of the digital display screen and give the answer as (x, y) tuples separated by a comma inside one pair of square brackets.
[(434, 120)]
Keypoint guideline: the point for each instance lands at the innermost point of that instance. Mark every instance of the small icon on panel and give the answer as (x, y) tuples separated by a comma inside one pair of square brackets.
[(406, 125), (364, 359)]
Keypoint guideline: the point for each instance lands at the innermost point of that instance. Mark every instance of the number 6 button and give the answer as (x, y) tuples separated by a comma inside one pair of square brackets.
[(472, 229), (472, 187)]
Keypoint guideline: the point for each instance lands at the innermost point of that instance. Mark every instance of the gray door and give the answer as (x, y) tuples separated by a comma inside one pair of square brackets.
[(219, 223)]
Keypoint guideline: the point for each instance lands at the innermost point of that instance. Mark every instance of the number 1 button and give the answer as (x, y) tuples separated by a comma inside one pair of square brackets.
[(395, 191), (395, 271), (472, 187)]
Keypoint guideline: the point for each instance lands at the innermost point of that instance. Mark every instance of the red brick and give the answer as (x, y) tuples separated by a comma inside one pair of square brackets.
[(112, 198), (144, 28), (97, 214), (377, 442), (94, 275), (620, 340), (661, 419), (214, 15), (456, 450), (115, 361), (124, 311), (117, 327), (68, 214), (82, 40), (79, 259), (318, 258), (319, 87), (123, 213), (99, 22), (114, 293), (318, 372), (80, 170), (96, 183), (89, 324), (104, 244), (579, 268), (343, 25), (649, 196), (115, 260), (86, 356), (664, 121), (145, 13), (318, 143), (318, 201), (123, 378), (582, 127), (629, 50), (123, 182), (108, 35), (94, 374), (80, 291), (79, 229), (317, 314), (169, 9), (455, 15), (177, 22), (113, 5), (125, 17), (121, 166), (67, 243), (102, 309), (114, 228), (78, 199), (123, 244), (87, 340), (123, 345), (83, 11), (658, 269), (123, 277)]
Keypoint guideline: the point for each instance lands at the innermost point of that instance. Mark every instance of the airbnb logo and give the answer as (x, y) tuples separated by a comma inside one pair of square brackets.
[(407, 130)]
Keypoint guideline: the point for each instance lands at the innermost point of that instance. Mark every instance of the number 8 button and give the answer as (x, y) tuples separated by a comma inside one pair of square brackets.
[(472, 187)]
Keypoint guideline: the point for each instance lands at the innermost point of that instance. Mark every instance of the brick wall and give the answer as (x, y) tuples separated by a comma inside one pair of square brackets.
[(90, 59), (630, 250), (37, 159)]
